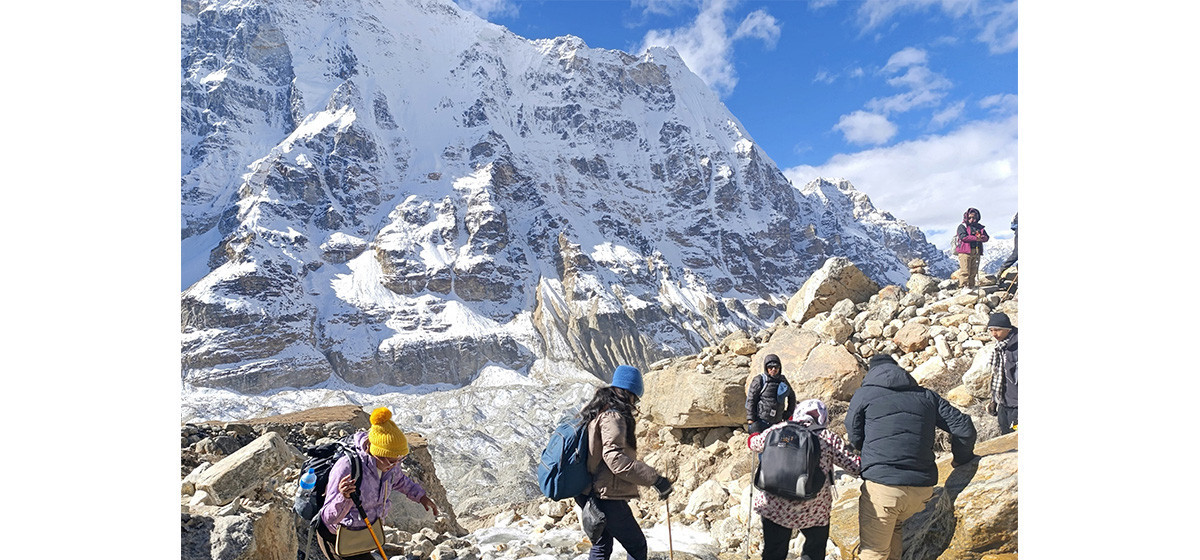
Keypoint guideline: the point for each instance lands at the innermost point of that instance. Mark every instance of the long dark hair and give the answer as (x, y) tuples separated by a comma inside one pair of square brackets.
[(616, 399)]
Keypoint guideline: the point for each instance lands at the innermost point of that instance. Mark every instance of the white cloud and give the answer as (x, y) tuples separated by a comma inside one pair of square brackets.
[(706, 45), (948, 115), (861, 127), (995, 19), (908, 56), (759, 25), (815, 5), (1000, 104), (929, 182), (488, 9), (926, 88)]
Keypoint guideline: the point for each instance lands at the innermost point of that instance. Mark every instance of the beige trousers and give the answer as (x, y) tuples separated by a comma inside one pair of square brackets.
[(968, 268), (882, 511)]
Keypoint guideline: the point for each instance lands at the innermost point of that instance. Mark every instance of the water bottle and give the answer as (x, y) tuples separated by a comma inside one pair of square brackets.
[(308, 481), (302, 507)]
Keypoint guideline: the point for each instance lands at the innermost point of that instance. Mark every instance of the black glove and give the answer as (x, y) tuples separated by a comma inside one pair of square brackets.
[(663, 486), (991, 408)]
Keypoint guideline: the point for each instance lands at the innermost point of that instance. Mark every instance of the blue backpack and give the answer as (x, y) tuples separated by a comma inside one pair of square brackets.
[(562, 472)]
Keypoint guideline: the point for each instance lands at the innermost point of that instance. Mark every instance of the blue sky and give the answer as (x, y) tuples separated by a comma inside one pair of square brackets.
[(913, 101)]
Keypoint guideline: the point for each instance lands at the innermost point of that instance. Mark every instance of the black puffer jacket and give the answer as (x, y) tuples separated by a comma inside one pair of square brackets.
[(892, 420), (764, 401)]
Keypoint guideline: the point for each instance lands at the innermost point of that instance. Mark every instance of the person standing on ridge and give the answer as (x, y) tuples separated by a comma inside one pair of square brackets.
[(380, 450), (1003, 404), (780, 515), (892, 420), (968, 241), (613, 463), (769, 399)]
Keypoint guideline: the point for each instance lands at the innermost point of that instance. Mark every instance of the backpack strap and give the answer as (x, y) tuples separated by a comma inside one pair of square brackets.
[(356, 475)]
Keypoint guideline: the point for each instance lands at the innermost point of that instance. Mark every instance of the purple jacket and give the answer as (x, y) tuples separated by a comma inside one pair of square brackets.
[(375, 492)]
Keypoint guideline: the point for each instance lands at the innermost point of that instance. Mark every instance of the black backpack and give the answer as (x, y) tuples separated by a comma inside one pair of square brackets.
[(790, 463), (320, 459)]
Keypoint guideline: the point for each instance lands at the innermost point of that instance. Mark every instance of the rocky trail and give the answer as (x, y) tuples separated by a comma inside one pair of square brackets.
[(238, 478)]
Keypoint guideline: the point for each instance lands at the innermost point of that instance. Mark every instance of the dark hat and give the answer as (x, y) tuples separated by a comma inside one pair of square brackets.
[(1000, 321), (880, 359), (772, 359)]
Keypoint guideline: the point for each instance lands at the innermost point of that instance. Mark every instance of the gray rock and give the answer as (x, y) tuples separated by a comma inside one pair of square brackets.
[(247, 468)]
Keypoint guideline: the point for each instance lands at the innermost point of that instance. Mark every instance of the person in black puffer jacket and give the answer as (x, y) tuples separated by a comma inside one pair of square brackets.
[(892, 420), (769, 399)]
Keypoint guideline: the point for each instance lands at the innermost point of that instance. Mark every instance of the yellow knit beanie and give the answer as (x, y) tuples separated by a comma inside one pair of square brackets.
[(386, 439)]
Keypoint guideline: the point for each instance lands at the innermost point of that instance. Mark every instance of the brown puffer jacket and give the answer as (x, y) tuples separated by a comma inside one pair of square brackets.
[(616, 472)]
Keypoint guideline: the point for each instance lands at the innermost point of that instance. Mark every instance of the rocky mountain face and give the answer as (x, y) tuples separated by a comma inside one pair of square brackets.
[(690, 427), (396, 192)]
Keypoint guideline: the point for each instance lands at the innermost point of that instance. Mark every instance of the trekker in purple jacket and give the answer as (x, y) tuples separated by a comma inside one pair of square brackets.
[(380, 449)]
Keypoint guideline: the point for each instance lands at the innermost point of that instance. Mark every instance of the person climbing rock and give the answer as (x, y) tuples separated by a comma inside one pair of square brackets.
[(380, 451), (892, 420)]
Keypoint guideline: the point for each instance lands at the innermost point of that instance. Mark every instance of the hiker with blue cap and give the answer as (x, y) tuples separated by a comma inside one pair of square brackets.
[(613, 463)]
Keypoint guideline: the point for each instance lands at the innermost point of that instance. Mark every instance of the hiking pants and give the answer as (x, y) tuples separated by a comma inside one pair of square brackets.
[(1006, 417), (968, 266), (776, 538), (882, 511), (621, 526)]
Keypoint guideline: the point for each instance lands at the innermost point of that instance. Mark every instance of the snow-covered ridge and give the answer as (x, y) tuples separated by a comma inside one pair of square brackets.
[(395, 194)]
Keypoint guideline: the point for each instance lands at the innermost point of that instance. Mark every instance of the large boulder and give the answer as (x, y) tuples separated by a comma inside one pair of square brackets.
[(247, 468), (935, 374), (978, 377), (683, 396), (912, 337), (255, 531), (922, 284), (971, 516), (836, 280), (707, 497), (830, 373), (792, 345)]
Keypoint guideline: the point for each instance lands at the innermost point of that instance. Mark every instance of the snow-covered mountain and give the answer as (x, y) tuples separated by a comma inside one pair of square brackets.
[(396, 192)]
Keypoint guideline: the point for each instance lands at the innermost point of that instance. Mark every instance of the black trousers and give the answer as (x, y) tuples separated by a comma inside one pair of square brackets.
[(619, 525), (776, 538), (1006, 417), (1012, 259)]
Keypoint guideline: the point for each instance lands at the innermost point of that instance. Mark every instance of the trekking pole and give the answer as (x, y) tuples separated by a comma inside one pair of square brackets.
[(382, 554), (750, 508), (670, 545), (358, 503)]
